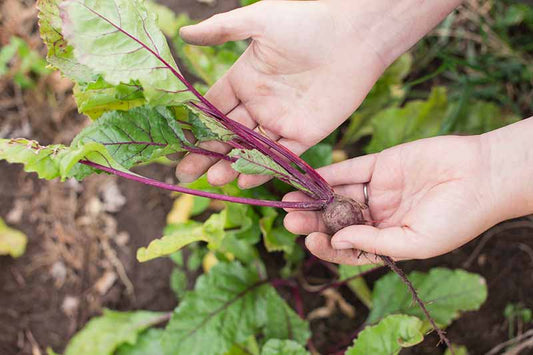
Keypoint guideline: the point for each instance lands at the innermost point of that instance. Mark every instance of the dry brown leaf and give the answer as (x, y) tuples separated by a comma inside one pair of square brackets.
[(104, 283), (334, 301)]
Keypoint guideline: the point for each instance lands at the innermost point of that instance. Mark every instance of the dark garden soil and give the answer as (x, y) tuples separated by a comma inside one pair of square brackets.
[(83, 238)]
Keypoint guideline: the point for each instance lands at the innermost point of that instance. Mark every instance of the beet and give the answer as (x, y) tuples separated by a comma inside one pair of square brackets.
[(343, 212)]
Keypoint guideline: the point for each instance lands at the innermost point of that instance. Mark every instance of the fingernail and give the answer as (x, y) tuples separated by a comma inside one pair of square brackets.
[(341, 245), (186, 178)]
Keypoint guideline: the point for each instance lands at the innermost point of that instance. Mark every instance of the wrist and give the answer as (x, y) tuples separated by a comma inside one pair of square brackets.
[(510, 161), (390, 27)]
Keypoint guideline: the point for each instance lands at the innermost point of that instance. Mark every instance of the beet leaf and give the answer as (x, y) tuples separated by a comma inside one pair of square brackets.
[(227, 306), (104, 334), (445, 292), (389, 336), (283, 347)]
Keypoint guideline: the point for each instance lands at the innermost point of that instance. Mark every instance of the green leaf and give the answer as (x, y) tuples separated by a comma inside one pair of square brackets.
[(228, 305), (248, 2), (60, 54), (282, 322), (250, 347), (207, 63), (210, 63), (210, 128), (54, 161), (93, 95), (166, 18), (120, 40), (95, 98), (388, 336), (275, 236), (19, 61), (445, 292), (50, 351), (44, 161), (256, 163), (283, 347), (201, 204), (148, 342), (319, 155), (103, 335), (234, 231), (178, 282), (457, 349), (6, 55), (176, 237), (481, 116), (212, 231), (386, 92), (358, 285), (12, 242), (417, 119), (136, 136)]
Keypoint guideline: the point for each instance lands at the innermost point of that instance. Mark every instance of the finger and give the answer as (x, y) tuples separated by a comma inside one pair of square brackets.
[(192, 166), (222, 95), (354, 191), (249, 181), (235, 25), (295, 196), (195, 165), (398, 242), (319, 244), (304, 222), (189, 136), (222, 173), (352, 171)]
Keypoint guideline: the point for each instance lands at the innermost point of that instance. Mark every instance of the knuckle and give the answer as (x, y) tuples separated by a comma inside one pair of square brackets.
[(223, 28)]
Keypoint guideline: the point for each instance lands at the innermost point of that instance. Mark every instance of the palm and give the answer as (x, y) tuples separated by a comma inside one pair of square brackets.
[(421, 186), (425, 198), (281, 79)]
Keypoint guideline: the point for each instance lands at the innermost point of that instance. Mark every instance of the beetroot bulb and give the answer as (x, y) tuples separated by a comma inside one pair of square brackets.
[(343, 212)]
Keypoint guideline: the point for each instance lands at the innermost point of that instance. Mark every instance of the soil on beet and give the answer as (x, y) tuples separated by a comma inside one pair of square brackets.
[(78, 243)]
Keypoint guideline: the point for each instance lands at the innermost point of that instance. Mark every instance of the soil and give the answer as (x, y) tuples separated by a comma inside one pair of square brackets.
[(81, 250)]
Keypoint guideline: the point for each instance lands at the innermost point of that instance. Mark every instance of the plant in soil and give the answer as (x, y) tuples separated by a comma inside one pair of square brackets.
[(144, 110)]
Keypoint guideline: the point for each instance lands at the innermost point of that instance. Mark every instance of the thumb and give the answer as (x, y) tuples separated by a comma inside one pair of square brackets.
[(398, 242), (235, 25)]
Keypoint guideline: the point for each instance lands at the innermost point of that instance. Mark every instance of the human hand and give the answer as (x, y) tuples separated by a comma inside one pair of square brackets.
[(309, 65), (305, 71), (426, 197)]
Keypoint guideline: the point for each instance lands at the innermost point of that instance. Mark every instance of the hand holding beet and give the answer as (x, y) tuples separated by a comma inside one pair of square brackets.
[(427, 197)]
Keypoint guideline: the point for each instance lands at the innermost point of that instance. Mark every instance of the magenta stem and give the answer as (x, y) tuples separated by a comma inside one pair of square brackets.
[(304, 205), (325, 190), (189, 148), (238, 129)]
